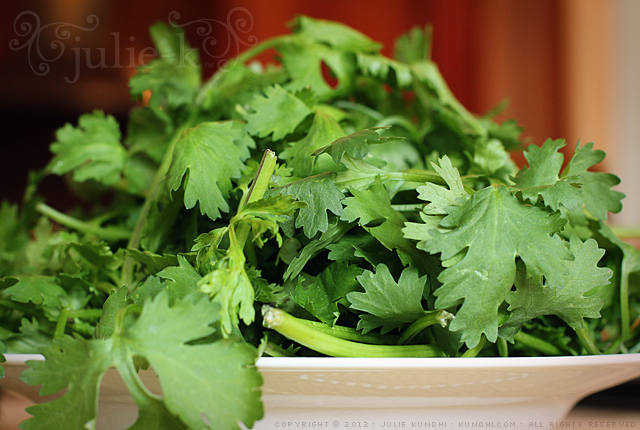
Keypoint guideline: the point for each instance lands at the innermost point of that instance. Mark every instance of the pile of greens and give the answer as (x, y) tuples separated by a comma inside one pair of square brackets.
[(339, 203)]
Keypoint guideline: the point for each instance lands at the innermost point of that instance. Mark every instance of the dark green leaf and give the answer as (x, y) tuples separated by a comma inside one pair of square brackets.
[(387, 303)]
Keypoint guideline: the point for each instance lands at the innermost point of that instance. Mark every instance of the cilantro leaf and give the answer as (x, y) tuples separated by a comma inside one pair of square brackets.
[(414, 45), (541, 177), (174, 78), (334, 34), (489, 230), (36, 289), (324, 130), (206, 158), (77, 365), (215, 384), (182, 280), (303, 61), (320, 195), (331, 286), (278, 113), (92, 150), (387, 303), (597, 197), (228, 284), (373, 211), (570, 301), (356, 145), (264, 216), (381, 67)]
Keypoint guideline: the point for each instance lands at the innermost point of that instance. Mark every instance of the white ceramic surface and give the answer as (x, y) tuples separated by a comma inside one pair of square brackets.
[(380, 393)]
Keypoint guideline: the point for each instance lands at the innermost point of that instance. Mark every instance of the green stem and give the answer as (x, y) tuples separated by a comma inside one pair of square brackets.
[(503, 347), (273, 350), (118, 324), (416, 175), (587, 341), (537, 344), (256, 191), (61, 324), (327, 344), (152, 195), (140, 394), (473, 352), (106, 233), (17, 306), (351, 334), (430, 318), (263, 46), (85, 313)]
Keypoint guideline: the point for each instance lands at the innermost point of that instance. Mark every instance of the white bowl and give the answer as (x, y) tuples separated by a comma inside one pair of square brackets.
[(341, 393)]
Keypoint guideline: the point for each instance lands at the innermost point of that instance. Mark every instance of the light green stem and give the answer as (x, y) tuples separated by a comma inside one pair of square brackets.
[(537, 344), (324, 343), (503, 347), (351, 334), (106, 233), (430, 318), (587, 341), (61, 324), (473, 352)]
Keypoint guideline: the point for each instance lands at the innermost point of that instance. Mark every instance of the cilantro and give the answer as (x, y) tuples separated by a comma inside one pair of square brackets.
[(278, 112), (349, 196), (388, 304), (206, 157), (91, 151)]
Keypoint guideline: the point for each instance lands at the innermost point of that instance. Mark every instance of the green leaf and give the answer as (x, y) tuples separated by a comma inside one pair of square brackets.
[(153, 263), (387, 303), (356, 145), (570, 301), (334, 34), (435, 94), (206, 158), (92, 150), (146, 134), (116, 301), (266, 214), (303, 62), (331, 286), (380, 67), (334, 233), (320, 195), (414, 46), (174, 78), (211, 385), (44, 290), (278, 112), (541, 177), (205, 385), (182, 281), (76, 365), (324, 130), (229, 285), (373, 211), (597, 198), (489, 231)]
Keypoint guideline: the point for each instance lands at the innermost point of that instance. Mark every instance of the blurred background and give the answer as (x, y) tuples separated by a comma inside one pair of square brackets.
[(569, 68)]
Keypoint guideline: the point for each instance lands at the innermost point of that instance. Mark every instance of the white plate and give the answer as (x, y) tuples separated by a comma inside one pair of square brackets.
[(343, 393)]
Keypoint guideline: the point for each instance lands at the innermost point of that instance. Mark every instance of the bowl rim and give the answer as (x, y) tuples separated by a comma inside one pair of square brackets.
[(292, 363)]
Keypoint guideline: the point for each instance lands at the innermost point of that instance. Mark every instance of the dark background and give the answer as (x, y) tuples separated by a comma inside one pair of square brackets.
[(487, 51)]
